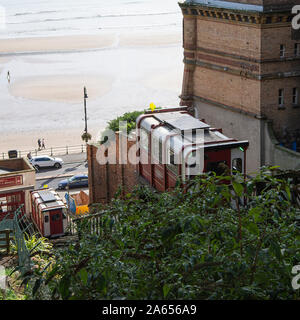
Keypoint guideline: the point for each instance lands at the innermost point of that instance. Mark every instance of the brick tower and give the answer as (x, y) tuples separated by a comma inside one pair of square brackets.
[(242, 73)]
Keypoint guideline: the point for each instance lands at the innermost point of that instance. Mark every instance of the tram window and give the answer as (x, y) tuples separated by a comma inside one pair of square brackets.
[(219, 167), (171, 164), (237, 164), (56, 217), (160, 151), (172, 157), (46, 219), (157, 149), (144, 139)]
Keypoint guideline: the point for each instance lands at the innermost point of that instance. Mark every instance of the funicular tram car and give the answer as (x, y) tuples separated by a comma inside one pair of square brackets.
[(49, 213), (171, 140)]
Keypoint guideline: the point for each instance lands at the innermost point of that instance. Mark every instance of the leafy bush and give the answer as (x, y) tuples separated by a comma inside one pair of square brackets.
[(113, 125), (34, 245), (200, 244), (86, 136)]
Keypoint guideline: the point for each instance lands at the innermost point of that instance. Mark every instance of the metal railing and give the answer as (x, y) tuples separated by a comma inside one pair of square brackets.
[(13, 224), (92, 224), (53, 151)]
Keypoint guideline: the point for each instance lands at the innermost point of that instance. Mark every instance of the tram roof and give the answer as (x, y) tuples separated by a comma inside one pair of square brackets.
[(48, 199), (164, 126), (181, 121)]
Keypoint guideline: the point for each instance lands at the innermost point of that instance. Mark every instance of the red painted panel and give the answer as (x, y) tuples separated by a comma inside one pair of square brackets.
[(56, 222), (158, 176), (145, 167), (171, 179), (6, 182), (215, 156)]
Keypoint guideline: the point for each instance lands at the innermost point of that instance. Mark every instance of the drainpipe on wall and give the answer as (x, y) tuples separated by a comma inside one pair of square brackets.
[(262, 143)]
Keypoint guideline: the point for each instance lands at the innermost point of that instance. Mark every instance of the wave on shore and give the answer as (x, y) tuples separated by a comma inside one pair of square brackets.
[(42, 18)]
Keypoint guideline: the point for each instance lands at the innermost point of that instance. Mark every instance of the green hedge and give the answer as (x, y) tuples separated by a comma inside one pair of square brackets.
[(199, 244), (113, 125)]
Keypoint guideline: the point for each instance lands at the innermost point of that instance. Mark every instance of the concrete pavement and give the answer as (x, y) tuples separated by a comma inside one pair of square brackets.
[(73, 157)]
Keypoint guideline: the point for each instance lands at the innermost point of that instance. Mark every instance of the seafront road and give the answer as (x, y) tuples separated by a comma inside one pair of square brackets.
[(73, 164)]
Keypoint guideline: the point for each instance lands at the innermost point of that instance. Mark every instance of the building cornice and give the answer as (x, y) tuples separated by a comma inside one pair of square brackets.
[(251, 18), (246, 5)]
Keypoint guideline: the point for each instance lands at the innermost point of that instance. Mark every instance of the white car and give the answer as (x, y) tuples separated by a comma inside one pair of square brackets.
[(46, 161)]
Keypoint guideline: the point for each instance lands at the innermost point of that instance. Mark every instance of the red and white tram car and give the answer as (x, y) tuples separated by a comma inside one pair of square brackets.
[(171, 144), (49, 213)]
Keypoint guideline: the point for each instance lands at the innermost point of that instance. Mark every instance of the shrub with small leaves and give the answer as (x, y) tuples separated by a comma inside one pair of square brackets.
[(215, 240)]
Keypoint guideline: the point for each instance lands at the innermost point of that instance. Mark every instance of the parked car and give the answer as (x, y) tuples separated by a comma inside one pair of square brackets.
[(46, 161), (79, 180)]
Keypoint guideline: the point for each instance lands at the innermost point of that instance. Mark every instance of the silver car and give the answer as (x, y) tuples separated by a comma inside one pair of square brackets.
[(46, 161)]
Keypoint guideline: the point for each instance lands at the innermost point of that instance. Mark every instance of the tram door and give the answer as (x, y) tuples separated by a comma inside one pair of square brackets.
[(56, 222)]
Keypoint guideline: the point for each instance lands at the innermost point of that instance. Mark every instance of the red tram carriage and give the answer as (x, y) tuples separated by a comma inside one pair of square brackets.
[(172, 143), (49, 213)]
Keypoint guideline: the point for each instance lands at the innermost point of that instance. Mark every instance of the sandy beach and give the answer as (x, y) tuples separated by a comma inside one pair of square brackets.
[(60, 88), (84, 42), (122, 72), (54, 44)]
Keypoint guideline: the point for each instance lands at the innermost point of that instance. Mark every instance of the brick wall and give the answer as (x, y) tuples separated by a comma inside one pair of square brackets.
[(272, 38), (279, 70), (105, 179), (228, 89), (237, 64), (228, 37), (286, 117)]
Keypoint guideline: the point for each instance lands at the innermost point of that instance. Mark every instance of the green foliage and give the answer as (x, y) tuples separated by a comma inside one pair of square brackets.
[(40, 250), (11, 292), (9, 295), (205, 243), (86, 136), (34, 245), (129, 117)]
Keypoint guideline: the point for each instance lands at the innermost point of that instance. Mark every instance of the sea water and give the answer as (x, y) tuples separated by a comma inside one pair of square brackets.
[(40, 18), (137, 74)]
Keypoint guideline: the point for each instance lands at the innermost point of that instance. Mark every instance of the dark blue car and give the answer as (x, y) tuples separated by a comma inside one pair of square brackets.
[(79, 180)]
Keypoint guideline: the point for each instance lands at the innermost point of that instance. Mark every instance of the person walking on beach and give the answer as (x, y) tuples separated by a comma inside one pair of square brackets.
[(43, 144), (39, 143), (8, 76)]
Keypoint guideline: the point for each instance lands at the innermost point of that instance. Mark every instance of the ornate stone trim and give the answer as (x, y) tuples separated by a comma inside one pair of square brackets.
[(230, 15), (243, 58), (242, 73)]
